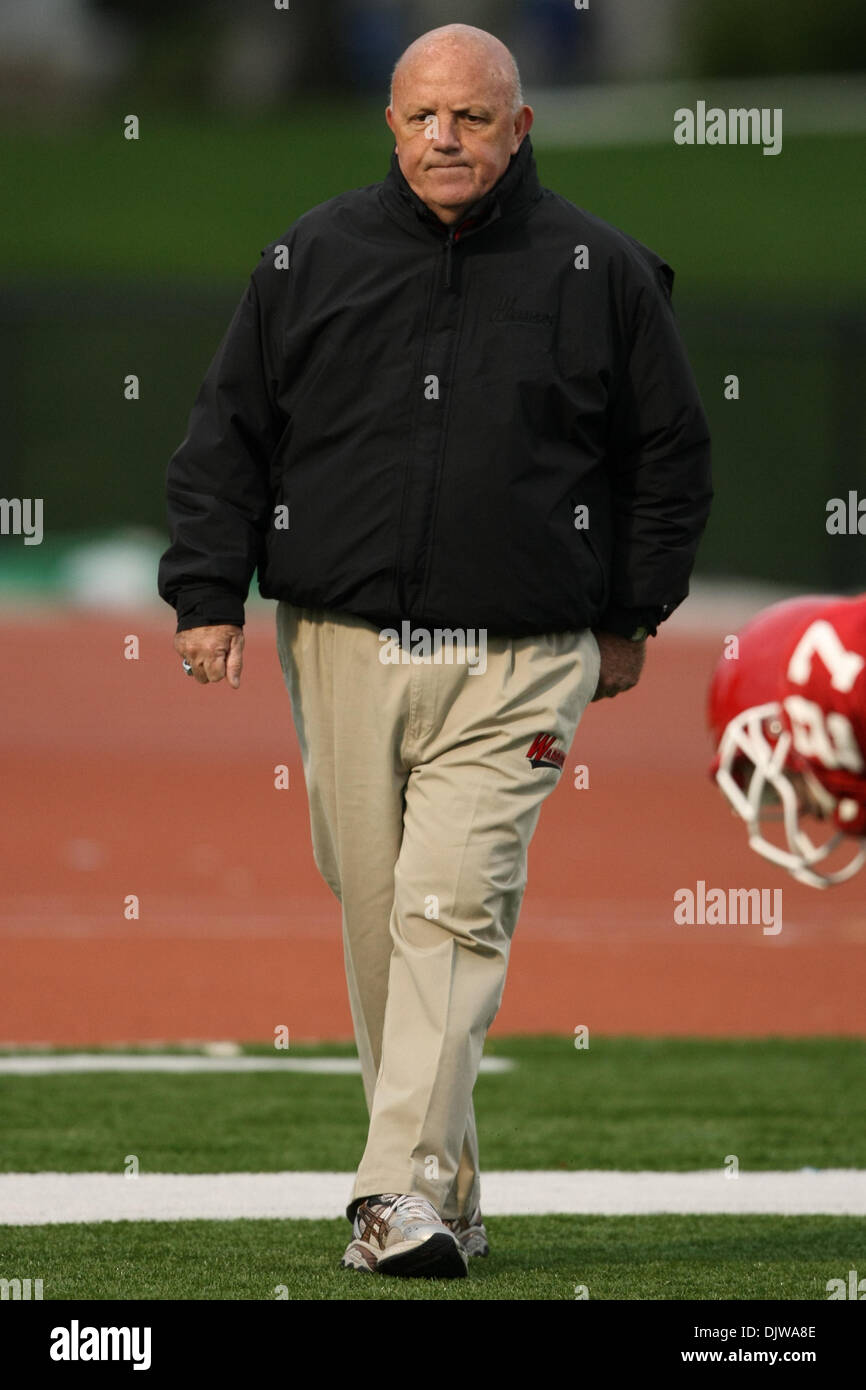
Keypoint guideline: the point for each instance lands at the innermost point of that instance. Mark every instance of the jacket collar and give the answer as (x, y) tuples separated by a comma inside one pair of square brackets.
[(517, 187)]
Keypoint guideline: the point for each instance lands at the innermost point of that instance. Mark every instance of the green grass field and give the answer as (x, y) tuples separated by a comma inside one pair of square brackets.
[(193, 201), (624, 1103), (532, 1257), (137, 252)]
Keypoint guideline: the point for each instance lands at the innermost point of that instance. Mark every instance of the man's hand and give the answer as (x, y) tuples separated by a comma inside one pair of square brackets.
[(213, 652), (621, 664)]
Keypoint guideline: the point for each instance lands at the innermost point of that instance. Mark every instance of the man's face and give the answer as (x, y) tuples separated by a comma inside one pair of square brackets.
[(455, 130)]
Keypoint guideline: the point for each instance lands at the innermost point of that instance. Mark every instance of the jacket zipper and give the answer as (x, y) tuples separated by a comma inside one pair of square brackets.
[(449, 248), (454, 234)]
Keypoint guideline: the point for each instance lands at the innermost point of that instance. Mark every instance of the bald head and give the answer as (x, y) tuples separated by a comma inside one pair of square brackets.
[(457, 115), (465, 44)]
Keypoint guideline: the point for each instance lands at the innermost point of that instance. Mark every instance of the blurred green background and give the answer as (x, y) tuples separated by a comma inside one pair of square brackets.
[(127, 256)]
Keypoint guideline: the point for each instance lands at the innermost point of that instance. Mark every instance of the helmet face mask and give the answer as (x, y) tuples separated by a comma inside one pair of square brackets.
[(768, 773)]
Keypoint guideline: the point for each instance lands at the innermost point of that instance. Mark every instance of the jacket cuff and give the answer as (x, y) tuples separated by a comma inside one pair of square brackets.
[(208, 608), (625, 622)]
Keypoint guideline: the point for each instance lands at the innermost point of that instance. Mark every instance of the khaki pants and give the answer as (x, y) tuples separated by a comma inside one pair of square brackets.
[(423, 802)]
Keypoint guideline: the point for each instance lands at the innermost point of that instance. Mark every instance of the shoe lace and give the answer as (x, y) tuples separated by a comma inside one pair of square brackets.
[(409, 1203), (373, 1217)]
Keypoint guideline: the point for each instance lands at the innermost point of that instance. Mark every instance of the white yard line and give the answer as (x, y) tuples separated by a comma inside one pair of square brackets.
[(33, 1199), (626, 113), (48, 1064)]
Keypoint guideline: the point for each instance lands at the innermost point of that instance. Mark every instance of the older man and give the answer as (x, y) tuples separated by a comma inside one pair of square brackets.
[(453, 425)]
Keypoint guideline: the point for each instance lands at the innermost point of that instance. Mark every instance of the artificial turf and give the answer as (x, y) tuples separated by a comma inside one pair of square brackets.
[(623, 1103), (547, 1258)]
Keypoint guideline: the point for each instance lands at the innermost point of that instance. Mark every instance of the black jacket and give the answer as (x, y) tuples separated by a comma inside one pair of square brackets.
[(455, 426)]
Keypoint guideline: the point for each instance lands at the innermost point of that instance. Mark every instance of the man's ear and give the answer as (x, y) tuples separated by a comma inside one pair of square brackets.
[(523, 124)]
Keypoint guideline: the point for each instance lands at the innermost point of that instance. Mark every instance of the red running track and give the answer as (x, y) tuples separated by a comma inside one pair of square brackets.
[(123, 777)]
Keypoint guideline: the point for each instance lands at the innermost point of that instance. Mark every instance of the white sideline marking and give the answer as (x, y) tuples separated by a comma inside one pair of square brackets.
[(619, 113), (34, 1199), (107, 1061)]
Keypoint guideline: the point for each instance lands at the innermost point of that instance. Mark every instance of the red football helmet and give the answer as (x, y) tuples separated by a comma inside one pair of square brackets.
[(788, 714)]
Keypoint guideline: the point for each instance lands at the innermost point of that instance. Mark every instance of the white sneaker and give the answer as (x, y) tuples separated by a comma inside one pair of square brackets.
[(404, 1235), (470, 1232)]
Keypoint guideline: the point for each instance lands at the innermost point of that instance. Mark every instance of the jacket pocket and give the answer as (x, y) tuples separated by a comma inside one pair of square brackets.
[(590, 558)]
